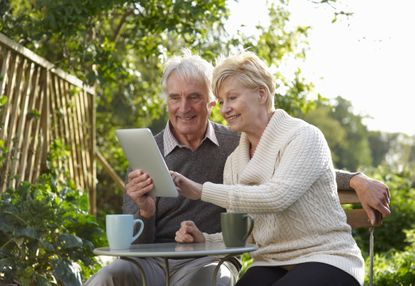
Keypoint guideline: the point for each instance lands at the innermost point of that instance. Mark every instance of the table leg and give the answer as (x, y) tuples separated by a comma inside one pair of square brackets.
[(167, 271), (221, 261), (140, 268)]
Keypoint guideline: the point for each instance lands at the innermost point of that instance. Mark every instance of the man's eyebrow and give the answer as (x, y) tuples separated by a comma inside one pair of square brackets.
[(195, 93)]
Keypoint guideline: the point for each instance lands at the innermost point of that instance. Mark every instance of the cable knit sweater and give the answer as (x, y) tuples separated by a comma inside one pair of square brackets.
[(289, 188)]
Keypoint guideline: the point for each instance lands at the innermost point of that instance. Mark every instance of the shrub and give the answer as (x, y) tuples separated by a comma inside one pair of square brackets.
[(396, 268), (391, 234), (46, 235)]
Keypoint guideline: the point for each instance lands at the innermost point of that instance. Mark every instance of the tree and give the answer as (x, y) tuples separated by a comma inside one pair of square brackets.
[(334, 133), (380, 144), (354, 152), (119, 47)]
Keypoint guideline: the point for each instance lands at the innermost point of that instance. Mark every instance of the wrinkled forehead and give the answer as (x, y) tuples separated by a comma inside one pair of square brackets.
[(185, 83)]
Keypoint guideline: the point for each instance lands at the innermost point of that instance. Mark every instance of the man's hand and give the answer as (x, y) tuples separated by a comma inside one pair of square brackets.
[(373, 195), (188, 233), (186, 187), (138, 189)]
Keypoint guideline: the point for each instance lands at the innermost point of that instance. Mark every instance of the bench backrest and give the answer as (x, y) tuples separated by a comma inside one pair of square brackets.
[(357, 216)]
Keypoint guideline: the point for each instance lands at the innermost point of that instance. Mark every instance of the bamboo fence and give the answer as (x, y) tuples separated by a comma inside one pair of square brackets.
[(43, 104)]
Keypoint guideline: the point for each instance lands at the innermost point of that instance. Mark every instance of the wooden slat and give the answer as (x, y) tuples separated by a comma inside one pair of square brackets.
[(76, 146), (4, 60), (79, 134), (41, 128), (21, 141), (356, 216), (10, 125), (87, 132), (110, 171), (11, 79), (348, 197), (68, 128), (93, 146), (32, 128)]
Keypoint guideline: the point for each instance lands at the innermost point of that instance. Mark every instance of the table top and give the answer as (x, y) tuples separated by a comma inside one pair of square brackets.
[(176, 250)]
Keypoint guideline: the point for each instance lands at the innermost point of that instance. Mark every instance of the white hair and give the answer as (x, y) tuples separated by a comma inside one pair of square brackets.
[(189, 67)]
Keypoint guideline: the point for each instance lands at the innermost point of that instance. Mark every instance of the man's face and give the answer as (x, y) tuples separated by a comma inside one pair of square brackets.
[(188, 106)]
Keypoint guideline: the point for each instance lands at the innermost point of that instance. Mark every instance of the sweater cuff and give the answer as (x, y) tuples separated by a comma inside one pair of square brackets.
[(214, 237), (216, 194), (343, 179)]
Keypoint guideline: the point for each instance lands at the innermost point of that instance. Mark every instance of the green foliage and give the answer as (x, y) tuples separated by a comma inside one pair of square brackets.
[(391, 234), (276, 45), (334, 133), (396, 268), (46, 233), (246, 262), (354, 152), (117, 46), (380, 144)]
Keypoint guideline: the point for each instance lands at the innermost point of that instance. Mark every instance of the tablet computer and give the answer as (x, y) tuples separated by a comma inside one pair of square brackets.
[(142, 152)]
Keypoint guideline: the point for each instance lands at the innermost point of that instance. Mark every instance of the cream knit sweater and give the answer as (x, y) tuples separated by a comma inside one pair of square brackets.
[(289, 188)]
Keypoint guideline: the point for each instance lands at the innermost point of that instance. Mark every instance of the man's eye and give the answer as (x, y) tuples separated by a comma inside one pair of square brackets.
[(194, 97)]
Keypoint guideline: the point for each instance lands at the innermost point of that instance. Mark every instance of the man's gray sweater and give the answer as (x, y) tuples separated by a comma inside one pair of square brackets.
[(203, 165)]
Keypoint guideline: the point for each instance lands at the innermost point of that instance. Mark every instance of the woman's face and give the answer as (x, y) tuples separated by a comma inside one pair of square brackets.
[(240, 106)]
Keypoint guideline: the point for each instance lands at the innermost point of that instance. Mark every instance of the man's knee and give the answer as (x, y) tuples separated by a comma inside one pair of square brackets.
[(198, 274), (119, 272)]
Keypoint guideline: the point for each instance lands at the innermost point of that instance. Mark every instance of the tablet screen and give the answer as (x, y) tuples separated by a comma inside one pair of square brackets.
[(142, 152)]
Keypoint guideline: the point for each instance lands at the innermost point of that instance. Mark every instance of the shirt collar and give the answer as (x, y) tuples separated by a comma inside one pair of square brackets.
[(170, 142)]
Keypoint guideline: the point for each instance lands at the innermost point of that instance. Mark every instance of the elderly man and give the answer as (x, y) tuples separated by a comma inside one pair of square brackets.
[(197, 148)]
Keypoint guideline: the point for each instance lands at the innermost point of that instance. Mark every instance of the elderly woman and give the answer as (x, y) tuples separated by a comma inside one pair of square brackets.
[(282, 175)]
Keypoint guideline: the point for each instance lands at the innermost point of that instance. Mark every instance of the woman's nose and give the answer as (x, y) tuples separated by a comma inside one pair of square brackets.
[(224, 108)]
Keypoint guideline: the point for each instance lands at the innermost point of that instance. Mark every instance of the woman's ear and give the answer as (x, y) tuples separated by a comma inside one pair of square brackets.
[(263, 95)]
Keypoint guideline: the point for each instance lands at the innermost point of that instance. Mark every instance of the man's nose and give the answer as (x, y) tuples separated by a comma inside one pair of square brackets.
[(184, 105)]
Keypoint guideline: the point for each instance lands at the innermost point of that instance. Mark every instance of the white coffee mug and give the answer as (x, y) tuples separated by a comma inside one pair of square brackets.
[(120, 228)]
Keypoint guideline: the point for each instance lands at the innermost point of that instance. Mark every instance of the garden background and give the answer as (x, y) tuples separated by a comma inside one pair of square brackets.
[(118, 48)]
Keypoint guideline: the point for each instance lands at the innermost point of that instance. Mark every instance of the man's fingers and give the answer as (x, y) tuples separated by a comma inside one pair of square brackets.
[(135, 173)]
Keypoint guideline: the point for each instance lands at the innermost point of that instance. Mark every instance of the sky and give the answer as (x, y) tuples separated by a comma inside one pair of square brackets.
[(367, 58)]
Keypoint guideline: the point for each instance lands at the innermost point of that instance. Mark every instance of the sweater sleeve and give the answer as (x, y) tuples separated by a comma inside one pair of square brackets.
[(303, 161), (343, 179)]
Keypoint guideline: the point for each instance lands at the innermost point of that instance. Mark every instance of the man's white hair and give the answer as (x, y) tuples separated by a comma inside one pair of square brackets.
[(190, 67)]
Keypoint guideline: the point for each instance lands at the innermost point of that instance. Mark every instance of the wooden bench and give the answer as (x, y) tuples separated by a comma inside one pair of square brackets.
[(357, 218)]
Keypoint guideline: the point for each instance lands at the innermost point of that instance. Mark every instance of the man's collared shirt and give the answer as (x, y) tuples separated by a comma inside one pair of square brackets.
[(170, 142)]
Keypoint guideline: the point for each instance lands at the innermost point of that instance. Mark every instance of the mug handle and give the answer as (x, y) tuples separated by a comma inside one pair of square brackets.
[(138, 221), (250, 228)]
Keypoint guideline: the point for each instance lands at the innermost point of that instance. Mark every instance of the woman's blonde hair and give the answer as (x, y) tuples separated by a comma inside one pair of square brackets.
[(250, 70)]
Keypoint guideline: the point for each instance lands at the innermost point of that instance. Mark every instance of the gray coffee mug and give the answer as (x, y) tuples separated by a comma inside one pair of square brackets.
[(236, 227)]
